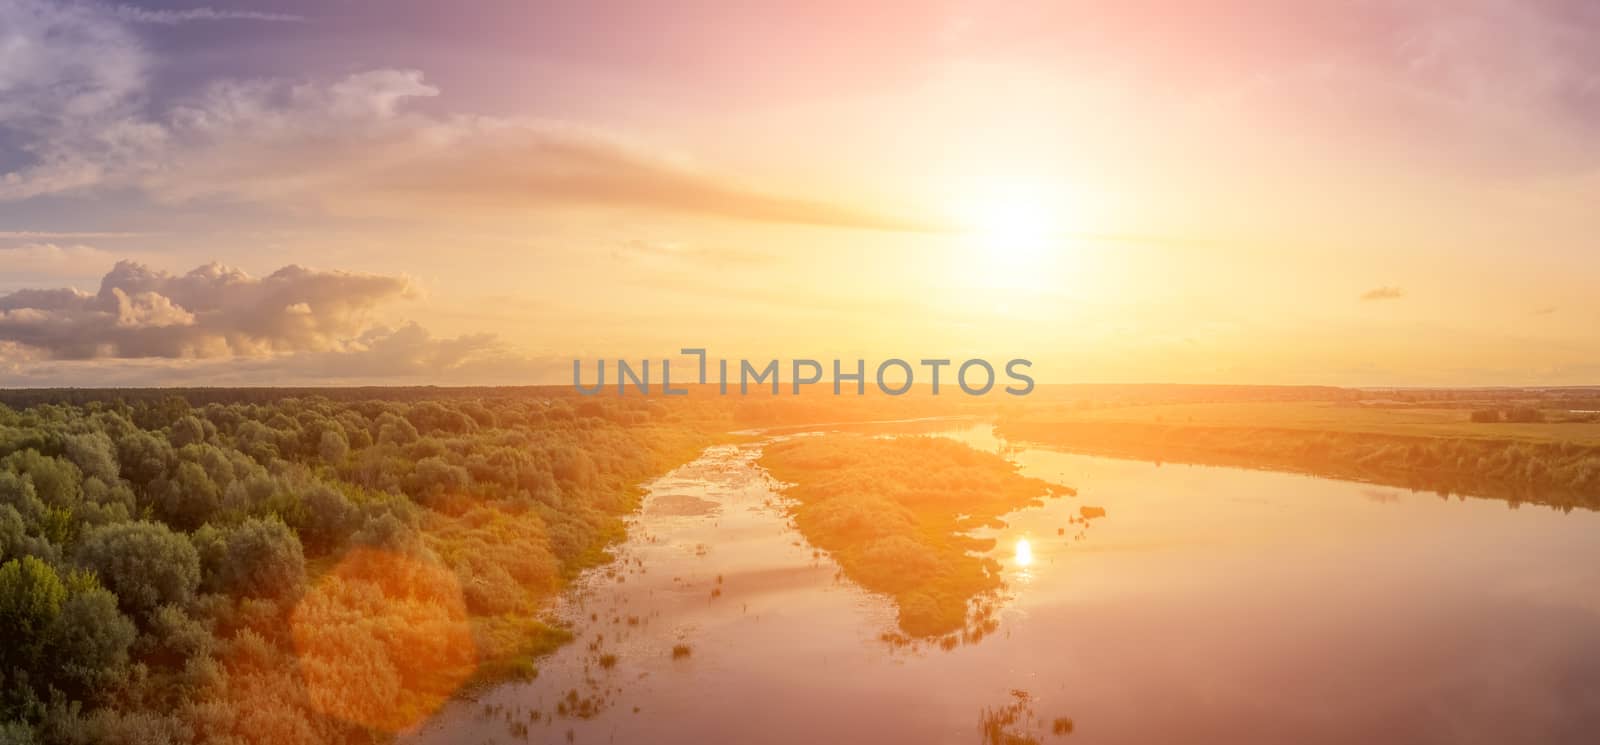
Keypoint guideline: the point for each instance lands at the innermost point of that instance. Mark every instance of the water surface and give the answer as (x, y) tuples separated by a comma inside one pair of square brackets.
[(1193, 604)]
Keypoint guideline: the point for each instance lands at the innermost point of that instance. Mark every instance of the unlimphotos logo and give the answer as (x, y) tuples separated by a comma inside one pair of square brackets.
[(894, 376)]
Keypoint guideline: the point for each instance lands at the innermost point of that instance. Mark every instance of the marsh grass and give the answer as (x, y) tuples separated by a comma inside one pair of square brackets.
[(894, 514), (1015, 722)]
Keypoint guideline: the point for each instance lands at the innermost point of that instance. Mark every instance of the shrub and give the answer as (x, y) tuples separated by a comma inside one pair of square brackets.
[(1524, 414)]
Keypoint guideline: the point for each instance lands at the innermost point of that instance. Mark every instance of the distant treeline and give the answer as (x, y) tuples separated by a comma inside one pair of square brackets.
[(19, 398), (1175, 393), (1558, 474), (818, 404), (760, 409)]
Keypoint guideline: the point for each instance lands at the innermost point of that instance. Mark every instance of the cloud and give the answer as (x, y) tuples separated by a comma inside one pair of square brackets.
[(167, 17), (353, 146), (220, 326), (411, 353), (212, 311), (1383, 293), (64, 60), (71, 78), (406, 355), (56, 235)]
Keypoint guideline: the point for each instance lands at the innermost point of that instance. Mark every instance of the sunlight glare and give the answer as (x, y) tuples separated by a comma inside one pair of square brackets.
[(1011, 234), (1013, 230), (1024, 552), (1011, 226)]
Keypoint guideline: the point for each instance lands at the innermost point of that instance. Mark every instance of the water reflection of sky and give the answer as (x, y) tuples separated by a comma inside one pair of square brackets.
[(1205, 605)]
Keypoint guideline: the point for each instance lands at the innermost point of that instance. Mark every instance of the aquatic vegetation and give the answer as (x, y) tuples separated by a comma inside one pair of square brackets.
[(1015, 722), (894, 514), (578, 706)]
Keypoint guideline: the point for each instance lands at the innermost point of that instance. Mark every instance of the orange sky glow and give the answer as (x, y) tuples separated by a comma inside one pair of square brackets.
[(1364, 193)]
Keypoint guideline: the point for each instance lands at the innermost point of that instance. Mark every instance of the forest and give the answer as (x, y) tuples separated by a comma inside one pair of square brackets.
[(295, 569)]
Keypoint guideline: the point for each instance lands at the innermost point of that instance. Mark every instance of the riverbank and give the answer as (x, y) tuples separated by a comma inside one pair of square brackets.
[(1528, 464)]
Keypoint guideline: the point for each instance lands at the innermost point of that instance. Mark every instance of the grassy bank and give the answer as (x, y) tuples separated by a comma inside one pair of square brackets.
[(1556, 463), (893, 513)]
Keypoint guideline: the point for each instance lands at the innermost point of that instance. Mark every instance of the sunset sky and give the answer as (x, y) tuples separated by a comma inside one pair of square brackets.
[(396, 191)]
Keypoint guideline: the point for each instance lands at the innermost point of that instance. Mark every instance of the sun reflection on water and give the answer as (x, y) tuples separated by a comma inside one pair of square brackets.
[(1024, 553)]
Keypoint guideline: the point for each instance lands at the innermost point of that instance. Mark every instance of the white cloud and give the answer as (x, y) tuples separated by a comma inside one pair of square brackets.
[(212, 311), (220, 326), (408, 355), (70, 75)]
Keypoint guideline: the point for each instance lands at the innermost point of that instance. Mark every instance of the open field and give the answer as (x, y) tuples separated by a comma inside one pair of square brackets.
[(1332, 416), (1554, 462)]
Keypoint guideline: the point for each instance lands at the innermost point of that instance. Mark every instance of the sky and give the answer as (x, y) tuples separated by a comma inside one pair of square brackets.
[(399, 192)]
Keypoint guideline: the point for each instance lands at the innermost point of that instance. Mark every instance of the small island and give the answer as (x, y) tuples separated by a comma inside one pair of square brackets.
[(895, 513)]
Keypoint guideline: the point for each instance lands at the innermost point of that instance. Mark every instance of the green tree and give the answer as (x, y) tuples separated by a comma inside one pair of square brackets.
[(88, 644), (187, 431), (145, 564), (56, 481), (189, 499), (94, 454), (31, 596), (333, 447), (144, 457), (259, 558)]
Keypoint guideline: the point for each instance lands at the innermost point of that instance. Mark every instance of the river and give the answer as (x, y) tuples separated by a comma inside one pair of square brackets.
[(1162, 604)]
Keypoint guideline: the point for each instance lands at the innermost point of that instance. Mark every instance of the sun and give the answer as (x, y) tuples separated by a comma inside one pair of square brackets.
[(1012, 227), (1014, 240)]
